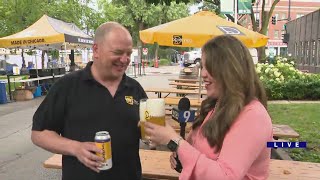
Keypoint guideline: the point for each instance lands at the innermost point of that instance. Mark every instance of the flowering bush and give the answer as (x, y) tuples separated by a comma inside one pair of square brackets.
[(283, 81)]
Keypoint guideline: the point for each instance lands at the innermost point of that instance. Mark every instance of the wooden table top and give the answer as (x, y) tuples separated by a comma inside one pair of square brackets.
[(184, 80), (155, 164), (186, 84), (174, 90), (175, 101), (284, 131)]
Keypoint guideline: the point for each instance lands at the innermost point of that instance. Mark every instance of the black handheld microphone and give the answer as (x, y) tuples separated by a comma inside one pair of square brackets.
[(183, 106)]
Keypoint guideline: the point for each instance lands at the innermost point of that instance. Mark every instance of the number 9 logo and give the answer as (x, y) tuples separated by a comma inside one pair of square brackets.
[(187, 115)]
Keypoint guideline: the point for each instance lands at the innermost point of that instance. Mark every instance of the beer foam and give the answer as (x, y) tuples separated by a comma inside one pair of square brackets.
[(156, 107), (142, 110)]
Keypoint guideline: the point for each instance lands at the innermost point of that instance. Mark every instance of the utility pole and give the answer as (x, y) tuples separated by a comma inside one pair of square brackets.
[(235, 11), (289, 17)]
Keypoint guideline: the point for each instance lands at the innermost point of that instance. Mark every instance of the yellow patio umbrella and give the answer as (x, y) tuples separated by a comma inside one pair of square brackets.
[(195, 30)]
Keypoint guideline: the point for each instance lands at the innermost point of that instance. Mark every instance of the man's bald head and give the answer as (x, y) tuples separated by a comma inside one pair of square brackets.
[(106, 28)]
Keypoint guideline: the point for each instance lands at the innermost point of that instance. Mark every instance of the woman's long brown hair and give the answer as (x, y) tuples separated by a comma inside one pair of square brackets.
[(231, 65)]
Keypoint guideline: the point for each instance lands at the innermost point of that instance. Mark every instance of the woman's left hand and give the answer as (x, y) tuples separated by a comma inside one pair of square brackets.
[(160, 135)]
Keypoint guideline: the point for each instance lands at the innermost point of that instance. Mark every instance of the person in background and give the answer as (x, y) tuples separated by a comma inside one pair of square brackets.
[(98, 98), (228, 139)]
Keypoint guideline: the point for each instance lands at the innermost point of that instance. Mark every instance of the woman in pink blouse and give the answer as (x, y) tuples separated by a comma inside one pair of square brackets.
[(228, 138)]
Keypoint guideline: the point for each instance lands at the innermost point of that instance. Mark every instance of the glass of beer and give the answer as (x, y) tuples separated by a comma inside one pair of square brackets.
[(142, 111), (151, 110)]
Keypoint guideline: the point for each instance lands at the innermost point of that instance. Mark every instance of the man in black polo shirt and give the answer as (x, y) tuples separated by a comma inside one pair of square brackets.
[(99, 98)]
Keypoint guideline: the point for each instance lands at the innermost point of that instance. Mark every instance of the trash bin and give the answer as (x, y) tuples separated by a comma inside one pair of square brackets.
[(3, 93), (37, 92)]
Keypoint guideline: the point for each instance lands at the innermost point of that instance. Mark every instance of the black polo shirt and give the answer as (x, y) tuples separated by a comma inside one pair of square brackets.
[(77, 107)]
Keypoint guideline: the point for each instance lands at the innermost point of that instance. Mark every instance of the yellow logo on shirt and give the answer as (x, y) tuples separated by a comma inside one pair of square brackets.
[(129, 99)]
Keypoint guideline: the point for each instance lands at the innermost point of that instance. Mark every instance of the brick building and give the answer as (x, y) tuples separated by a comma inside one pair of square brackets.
[(298, 8)]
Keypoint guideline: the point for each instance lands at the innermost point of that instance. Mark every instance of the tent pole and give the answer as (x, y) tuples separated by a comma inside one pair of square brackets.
[(200, 84), (236, 11), (35, 59), (65, 50)]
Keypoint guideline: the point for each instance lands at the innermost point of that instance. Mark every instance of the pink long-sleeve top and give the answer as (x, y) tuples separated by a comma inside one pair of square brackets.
[(243, 155)]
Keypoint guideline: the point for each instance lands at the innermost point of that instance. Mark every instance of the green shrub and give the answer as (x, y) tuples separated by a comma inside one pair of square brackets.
[(283, 81), (164, 62)]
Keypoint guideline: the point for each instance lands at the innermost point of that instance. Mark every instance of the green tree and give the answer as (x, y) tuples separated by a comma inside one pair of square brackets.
[(16, 15), (137, 15)]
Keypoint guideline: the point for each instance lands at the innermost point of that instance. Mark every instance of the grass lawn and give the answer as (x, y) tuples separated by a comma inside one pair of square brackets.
[(305, 119)]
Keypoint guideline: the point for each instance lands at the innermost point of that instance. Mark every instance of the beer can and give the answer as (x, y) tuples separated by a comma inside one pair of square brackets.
[(103, 141)]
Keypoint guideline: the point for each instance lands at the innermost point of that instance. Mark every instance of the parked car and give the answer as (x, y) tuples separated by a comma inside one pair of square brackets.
[(192, 57)]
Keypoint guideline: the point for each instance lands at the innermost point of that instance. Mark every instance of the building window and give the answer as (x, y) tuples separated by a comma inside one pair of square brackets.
[(296, 52), (313, 52), (307, 52), (257, 15), (276, 34), (301, 49), (318, 47), (283, 51), (283, 16)]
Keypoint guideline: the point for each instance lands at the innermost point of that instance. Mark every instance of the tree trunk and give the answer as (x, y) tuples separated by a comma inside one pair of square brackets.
[(139, 43), (23, 60), (156, 51)]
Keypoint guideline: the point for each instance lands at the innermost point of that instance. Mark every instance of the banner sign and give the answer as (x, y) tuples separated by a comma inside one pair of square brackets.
[(244, 6), (227, 7), (28, 41)]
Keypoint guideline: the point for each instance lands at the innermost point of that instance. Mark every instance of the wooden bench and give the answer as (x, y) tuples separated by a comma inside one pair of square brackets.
[(156, 165), (159, 91), (284, 131), (194, 102), (184, 80), (180, 85)]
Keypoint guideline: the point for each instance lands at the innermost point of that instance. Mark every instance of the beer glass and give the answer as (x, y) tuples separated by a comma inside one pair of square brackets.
[(142, 110), (151, 110)]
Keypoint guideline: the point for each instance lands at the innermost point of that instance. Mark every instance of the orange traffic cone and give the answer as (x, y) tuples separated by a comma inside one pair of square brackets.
[(156, 64)]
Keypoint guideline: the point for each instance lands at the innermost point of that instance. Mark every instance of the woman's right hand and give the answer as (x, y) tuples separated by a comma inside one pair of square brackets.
[(173, 162)]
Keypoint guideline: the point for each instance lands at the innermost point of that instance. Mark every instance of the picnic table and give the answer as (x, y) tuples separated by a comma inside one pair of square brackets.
[(179, 84), (284, 131), (184, 80), (155, 165), (159, 91), (175, 101)]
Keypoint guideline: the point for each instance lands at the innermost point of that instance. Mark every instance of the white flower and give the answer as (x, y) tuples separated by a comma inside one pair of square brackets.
[(277, 79), (258, 70), (282, 78), (276, 74), (291, 68), (271, 65), (261, 77), (267, 70), (292, 62), (284, 59)]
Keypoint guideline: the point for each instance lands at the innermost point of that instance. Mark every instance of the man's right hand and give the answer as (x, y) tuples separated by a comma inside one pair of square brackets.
[(86, 154)]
